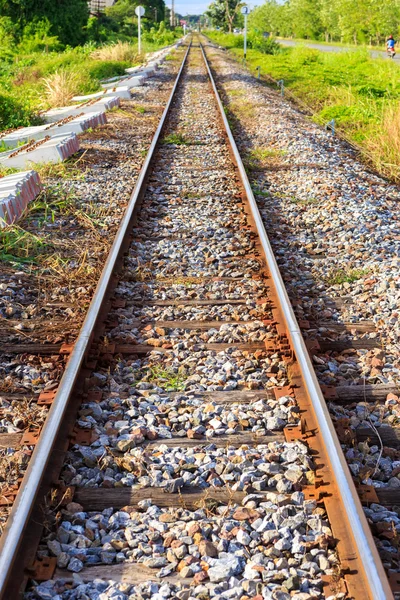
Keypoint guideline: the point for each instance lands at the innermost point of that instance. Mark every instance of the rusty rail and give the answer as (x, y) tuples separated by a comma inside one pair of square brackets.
[(361, 564)]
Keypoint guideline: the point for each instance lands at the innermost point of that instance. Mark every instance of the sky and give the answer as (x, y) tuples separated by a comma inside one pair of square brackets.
[(194, 7)]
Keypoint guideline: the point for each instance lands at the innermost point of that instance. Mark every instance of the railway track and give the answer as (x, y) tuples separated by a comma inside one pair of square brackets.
[(353, 349), (188, 442)]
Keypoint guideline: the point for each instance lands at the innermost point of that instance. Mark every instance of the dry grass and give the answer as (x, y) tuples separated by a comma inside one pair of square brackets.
[(384, 149), (60, 87), (122, 51)]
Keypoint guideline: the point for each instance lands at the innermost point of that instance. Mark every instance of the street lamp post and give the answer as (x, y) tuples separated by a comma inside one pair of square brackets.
[(139, 10), (245, 11)]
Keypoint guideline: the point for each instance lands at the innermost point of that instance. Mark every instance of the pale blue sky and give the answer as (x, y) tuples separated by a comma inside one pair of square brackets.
[(195, 7)]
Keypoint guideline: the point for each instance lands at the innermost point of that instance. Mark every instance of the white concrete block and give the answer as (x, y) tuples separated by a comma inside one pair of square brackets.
[(142, 71), (16, 191), (129, 82), (121, 91), (56, 149), (77, 125), (102, 104), (112, 79)]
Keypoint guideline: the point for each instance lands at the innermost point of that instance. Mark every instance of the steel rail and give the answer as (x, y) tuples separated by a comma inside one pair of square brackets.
[(374, 572), (18, 519)]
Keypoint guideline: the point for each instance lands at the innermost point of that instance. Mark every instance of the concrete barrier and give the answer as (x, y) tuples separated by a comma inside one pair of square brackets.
[(121, 91), (130, 82), (55, 149), (16, 191), (104, 103), (77, 125), (142, 71)]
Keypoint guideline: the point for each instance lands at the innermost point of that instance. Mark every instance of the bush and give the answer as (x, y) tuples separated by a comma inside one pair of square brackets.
[(162, 36), (36, 37), (15, 113), (263, 44), (255, 41), (121, 51), (7, 39), (107, 68)]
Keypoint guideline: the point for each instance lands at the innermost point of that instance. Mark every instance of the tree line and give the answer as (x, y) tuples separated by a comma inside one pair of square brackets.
[(55, 23), (355, 21)]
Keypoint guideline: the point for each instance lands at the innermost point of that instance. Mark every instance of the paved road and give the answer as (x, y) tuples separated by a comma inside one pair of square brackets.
[(327, 48)]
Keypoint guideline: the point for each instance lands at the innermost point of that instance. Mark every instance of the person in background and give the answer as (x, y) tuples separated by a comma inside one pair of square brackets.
[(390, 46)]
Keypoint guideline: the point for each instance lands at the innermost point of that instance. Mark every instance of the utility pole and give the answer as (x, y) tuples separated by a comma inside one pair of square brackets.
[(172, 16), (155, 15)]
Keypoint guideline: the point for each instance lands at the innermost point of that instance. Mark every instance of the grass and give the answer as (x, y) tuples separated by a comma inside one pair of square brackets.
[(65, 170), (121, 51), (176, 138), (338, 276), (361, 93), (19, 246), (52, 201), (166, 379), (242, 108), (258, 157), (304, 201), (60, 87), (4, 171)]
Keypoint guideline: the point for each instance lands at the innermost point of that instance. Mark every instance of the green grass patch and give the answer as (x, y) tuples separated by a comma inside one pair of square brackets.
[(54, 200), (361, 93), (339, 276), (166, 379), (257, 157), (65, 170), (304, 201), (19, 246), (176, 138)]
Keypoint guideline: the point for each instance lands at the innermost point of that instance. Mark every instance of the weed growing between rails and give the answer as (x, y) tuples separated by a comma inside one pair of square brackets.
[(338, 276), (361, 93)]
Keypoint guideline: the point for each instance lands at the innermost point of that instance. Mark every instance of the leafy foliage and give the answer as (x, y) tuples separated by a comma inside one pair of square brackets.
[(355, 21), (66, 17), (52, 50), (225, 13)]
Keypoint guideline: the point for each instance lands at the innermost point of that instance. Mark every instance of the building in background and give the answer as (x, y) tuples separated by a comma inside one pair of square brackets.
[(98, 6)]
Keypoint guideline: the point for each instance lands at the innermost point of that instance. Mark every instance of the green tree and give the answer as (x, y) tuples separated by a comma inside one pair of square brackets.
[(305, 18), (216, 13), (66, 17), (267, 18), (353, 21), (123, 17), (224, 13)]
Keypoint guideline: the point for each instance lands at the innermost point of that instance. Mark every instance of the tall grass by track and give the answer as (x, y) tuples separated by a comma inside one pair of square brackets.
[(361, 93), (33, 82)]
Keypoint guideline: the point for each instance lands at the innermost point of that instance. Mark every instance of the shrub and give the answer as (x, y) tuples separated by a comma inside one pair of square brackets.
[(162, 36), (107, 68), (36, 37), (121, 51), (7, 39), (15, 112), (263, 44)]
